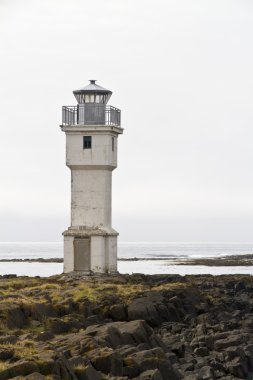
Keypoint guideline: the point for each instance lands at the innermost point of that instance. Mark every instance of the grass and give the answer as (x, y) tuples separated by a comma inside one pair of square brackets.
[(3, 366), (22, 349), (29, 290)]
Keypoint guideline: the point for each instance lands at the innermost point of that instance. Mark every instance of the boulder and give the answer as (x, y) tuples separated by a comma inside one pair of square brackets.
[(153, 374), (20, 368), (106, 361), (234, 340), (201, 351), (124, 333), (206, 373), (43, 336), (87, 373), (153, 310), (238, 368), (11, 315), (118, 312), (35, 376), (178, 348), (8, 339), (155, 359), (6, 353), (87, 343), (61, 326)]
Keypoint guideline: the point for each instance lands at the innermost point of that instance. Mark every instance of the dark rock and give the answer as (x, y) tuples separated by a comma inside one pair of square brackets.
[(88, 343), (233, 352), (238, 368), (9, 276), (202, 328), (39, 311), (153, 310), (20, 368), (61, 326), (177, 327), (43, 336), (124, 333), (106, 361), (35, 323), (78, 361), (178, 348), (155, 359), (217, 366), (190, 376), (87, 373), (6, 353), (8, 339), (130, 368), (187, 367), (118, 312), (152, 374), (92, 320), (234, 340), (224, 316), (35, 376), (206, 373), (12, 315), (201, 351)]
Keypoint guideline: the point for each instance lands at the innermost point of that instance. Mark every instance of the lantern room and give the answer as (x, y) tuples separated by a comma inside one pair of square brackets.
[(92, 108), (92, 93)]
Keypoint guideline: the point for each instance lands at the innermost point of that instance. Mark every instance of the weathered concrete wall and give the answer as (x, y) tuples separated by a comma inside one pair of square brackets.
[(98, 260), (68, 254), (91, 197), (111, 254), (101, 154)]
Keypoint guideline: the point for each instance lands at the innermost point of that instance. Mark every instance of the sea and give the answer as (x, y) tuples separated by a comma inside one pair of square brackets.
[(130, 251)]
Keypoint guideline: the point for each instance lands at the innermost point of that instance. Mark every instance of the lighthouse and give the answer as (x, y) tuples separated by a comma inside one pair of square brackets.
[(92, 128)]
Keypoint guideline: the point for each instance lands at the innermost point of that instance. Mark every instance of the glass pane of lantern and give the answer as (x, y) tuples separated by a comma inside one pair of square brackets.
[(87, 98), (107, 97), (92, 96)]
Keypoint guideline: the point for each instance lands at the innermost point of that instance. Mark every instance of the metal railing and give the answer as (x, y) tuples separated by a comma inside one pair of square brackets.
[(69, 115), (112, 116), (72, 115)]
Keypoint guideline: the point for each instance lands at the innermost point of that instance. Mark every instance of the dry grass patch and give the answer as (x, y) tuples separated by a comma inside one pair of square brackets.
[(3, 366), (171, 286)]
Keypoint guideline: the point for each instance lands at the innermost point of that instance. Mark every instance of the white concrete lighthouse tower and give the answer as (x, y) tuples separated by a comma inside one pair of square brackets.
[(92, 128)]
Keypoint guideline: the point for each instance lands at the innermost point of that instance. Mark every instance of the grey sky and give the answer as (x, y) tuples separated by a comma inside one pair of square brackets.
[(181, 72)]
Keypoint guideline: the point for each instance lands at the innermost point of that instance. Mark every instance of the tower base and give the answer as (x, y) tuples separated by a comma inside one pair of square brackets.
[(90, 250)]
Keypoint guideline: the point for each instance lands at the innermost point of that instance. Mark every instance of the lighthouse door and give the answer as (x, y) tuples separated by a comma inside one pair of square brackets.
[(82, 254)]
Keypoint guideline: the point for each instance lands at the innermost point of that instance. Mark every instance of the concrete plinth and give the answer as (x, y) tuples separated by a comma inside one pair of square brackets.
[(90, 251)]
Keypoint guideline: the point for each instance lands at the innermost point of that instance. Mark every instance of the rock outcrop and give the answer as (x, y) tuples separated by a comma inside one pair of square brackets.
[(126, 327)]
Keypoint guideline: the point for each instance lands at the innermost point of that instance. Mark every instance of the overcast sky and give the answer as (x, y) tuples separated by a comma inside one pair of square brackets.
[(181, 71)]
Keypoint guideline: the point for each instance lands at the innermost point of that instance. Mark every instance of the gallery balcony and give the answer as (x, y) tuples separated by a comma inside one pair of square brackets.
[(90, 114)]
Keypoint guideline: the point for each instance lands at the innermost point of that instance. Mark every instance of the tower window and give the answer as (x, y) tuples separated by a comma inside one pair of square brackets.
[(113, 144), (86, 142)]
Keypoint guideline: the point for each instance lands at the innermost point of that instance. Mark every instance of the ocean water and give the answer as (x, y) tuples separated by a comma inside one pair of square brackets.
[(144, 251)]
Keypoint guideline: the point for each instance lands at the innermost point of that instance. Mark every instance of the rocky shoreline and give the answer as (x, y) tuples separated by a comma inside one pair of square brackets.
[(233, 260), (126, 327)]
